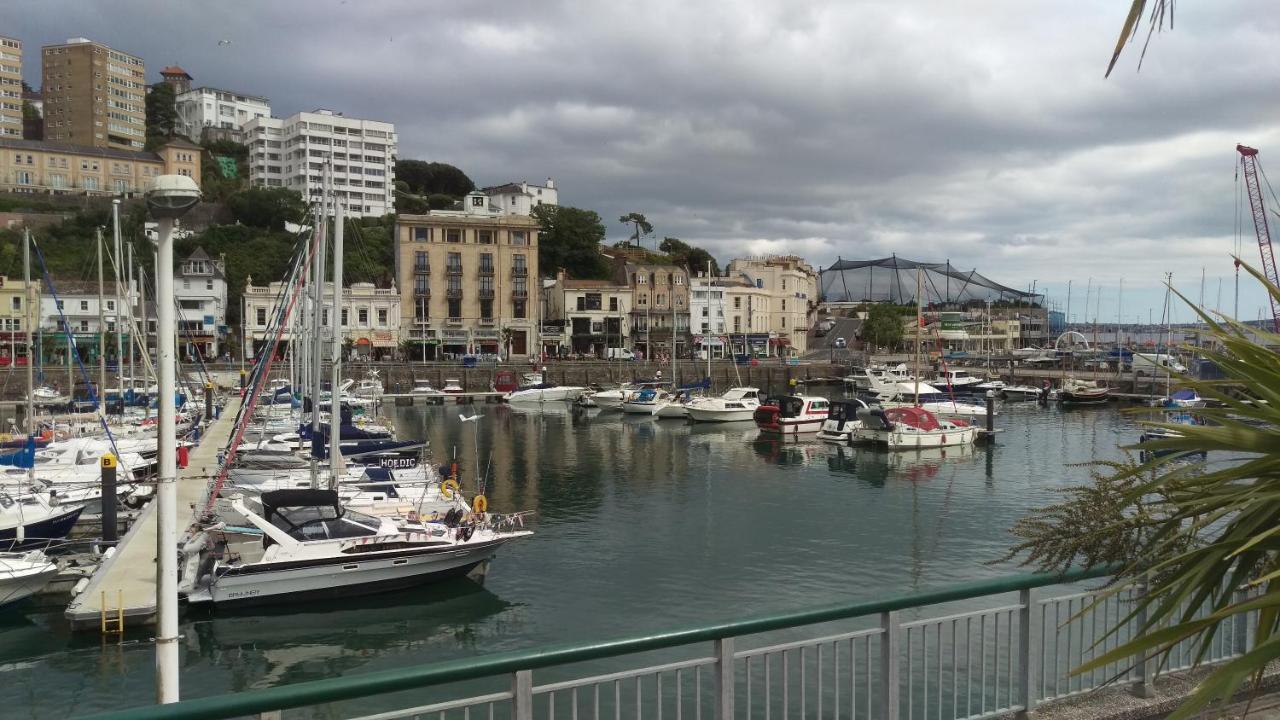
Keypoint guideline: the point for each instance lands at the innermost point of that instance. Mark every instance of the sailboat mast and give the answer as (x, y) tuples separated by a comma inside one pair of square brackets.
[(102, 333), (707, 344), (336, 371), (120, 306), (317, 308), (29, 323), (919, 327), (133, 335)]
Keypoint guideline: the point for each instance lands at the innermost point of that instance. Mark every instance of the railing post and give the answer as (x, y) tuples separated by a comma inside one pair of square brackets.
[(890, 660), (724, 679), (522, 695), (1145, 664), (1028, 659)]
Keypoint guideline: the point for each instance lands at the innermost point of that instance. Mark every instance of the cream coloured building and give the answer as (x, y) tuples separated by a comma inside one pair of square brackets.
[(94, 95), (38, 166), (469, 280), (370, 319), (592, 316), (792, 287)]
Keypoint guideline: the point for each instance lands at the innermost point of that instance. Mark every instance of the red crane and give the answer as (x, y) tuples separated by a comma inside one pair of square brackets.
[(1249, 163)]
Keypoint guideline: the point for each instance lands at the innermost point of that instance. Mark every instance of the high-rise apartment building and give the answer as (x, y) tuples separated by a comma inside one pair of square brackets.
[(10, 87), (292, 152), (94, 96), (468, 280)]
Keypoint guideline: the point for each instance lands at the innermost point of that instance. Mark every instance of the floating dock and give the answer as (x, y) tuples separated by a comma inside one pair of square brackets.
[(124, 586)]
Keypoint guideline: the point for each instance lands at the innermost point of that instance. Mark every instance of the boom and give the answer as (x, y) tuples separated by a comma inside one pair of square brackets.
[(1249, 163)]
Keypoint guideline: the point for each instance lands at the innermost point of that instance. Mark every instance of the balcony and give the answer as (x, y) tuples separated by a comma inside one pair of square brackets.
[(519, 294), (422, 268), (453, 269), (519, 271), (422, 293), (488, 321), (485, 293), (453, 321), (486, 271), (453, 293)]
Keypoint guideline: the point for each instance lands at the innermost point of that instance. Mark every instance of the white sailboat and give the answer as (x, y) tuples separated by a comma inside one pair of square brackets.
[(23, 575)]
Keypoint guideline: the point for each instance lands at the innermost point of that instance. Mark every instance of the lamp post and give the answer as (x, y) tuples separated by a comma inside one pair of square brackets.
[(169, 198)]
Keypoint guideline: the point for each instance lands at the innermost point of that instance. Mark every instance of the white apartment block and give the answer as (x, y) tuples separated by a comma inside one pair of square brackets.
[(207, 107), (200, 288), (707, 316), (77, 303), (520, 198), (370, 319), (10, 87), (293, 152), (592, 315)]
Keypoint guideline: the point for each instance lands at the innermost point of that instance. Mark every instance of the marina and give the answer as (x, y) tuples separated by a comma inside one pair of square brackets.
[(600, 485)]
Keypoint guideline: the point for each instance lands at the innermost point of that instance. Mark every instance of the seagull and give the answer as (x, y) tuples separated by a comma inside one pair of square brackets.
[(223, 42), (473, 418)]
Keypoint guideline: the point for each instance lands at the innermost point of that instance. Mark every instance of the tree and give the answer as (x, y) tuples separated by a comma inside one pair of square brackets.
[(217, 182), (266, 208), (642, 226), (569, 238), (1160, 10), (162, 115), (883, 326), (428, 178), (1193, 533), (694, 258)]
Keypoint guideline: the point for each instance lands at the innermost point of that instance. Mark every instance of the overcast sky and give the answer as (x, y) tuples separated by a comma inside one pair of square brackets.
[(981, 132)]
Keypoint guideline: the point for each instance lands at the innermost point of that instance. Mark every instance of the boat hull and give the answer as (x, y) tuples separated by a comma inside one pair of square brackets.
[(715, 415), (36, 534), (637, 408), (18, 585), (339, 577), (900, 440), (556, 394)]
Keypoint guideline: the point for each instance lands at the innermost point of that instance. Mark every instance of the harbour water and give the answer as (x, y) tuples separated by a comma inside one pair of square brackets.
[(641, 524)]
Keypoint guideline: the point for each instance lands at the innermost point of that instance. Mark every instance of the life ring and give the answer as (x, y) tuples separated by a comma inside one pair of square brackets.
[(479, 504), (448, 488)]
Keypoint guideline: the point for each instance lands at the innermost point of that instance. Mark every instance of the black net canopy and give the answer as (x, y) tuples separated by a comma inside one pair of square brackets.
[(893, 280)]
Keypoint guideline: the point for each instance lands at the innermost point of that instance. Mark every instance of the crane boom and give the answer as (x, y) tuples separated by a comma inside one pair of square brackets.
[(1249, 163)]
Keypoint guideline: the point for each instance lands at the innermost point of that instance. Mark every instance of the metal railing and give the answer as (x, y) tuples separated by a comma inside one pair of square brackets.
[(981, 663)]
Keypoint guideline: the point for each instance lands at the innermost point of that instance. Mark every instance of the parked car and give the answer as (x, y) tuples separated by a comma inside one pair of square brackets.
[(619, 354), (840, 343)]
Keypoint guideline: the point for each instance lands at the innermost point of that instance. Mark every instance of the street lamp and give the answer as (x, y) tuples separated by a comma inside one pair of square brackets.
[(170, 197)]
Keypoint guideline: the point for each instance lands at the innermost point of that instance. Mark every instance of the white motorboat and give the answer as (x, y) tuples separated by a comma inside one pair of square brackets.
[(842, 420), (452, 386), (23, 575), (908, 428), (792, 416), (957, 379), (932, 399), (735, 405), (314, 548), (534, 389), (45, 396), (1014, 392), (424, 387), (645, 402)]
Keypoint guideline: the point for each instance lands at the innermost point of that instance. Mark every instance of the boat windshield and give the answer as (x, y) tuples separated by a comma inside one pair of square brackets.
[(324, 523)]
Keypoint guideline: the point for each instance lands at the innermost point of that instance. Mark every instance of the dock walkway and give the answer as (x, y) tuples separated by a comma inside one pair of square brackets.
[(128, 577)]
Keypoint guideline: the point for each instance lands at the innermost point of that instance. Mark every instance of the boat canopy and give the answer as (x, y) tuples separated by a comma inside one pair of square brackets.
[(915, 417)]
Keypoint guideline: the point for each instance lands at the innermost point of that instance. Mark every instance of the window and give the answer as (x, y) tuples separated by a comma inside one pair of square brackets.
[(518, 309), (420, 261), (484, 237), (363, 315), (784, 285), (91, 183), (705, 312), (17, 304), (208, 284), (784, 306), (262, 317), (345, 320), (111, 305), (324, 317), (59, 304), (784, 322), (455, 262), (382, 317), (421, 234), (613, 304), (737, 303), (486, 263), (518, 237), (453, 235), (486, 309), (24, 178), (455, 309), (84, 305), (477, 201), (643, 300)]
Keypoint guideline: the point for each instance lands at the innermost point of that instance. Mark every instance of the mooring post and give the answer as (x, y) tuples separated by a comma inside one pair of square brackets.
[(109, 522), (991, 416)]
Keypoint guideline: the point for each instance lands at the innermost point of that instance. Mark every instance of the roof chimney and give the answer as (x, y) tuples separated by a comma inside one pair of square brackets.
[(551, 184)]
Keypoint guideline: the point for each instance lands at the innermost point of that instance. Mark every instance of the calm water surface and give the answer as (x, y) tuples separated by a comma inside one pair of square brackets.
[(641, 524)]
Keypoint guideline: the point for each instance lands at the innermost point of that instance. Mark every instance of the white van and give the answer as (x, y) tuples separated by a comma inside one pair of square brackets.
[(1150, 363), (619, 354)]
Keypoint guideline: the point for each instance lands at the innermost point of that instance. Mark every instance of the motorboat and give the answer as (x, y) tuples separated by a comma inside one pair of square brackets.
[(1009, 392), (452, 386), (1153, 434), (842, 420), (908, 428), (612, 399), (544, 392), (1082, 392), (871, 380), (791, 415), (309, 547), (424, 387), (678, 401), (33, 518), (23, 574), (646, 401), (369, 388), (1186, 398), (932, 399), (45, 396), (735, 405), (957, 380)]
